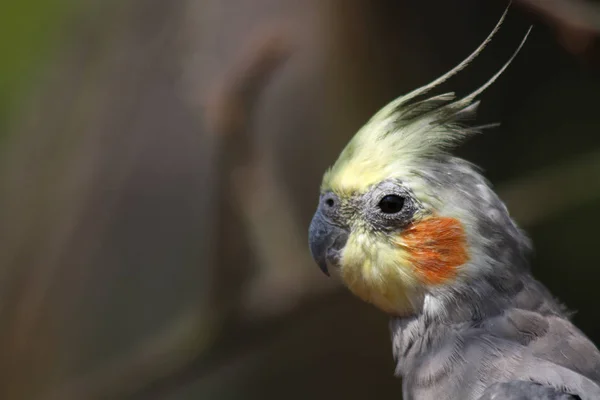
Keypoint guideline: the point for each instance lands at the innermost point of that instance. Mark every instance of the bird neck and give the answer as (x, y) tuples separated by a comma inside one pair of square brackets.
[(464, 308)]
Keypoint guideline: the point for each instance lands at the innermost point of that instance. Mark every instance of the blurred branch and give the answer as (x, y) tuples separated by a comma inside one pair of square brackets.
[(283, 278), (533, 198), (231, 103)]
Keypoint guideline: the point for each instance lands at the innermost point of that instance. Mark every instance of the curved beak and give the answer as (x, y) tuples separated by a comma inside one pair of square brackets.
[(326, 241)]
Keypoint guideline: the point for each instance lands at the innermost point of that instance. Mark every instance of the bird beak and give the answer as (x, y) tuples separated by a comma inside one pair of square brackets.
[(326, 241)]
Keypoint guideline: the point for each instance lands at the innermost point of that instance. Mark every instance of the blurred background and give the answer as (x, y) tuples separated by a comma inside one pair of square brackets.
[(160, 162)]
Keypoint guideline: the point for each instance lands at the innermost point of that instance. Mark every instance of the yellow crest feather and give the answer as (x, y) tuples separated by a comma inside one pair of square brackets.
[(403, 131)]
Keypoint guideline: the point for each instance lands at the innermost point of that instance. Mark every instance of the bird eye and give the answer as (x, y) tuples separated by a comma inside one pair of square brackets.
[(391, 204)]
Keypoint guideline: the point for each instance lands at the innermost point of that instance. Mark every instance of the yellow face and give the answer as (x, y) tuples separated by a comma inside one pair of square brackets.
[(387, 245), (378, 272)]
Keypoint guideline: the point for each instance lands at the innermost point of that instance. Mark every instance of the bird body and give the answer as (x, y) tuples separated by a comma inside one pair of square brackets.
[(420, 234)]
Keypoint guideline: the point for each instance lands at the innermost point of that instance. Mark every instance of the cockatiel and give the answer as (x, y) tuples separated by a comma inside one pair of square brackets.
[(420, 234)]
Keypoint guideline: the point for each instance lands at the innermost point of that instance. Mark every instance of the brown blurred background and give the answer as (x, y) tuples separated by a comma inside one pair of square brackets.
[(160, 162)]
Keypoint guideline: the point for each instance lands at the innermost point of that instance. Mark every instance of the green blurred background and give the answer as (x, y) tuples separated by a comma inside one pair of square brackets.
[(160, 163)]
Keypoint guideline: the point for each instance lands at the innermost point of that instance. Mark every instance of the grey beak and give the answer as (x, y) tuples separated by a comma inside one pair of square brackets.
[(326, 241)]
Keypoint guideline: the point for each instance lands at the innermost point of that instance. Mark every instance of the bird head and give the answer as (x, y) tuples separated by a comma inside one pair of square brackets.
[(400, 217)]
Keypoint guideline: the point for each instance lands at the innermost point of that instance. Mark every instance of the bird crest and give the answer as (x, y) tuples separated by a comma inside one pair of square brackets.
[(408, 129)]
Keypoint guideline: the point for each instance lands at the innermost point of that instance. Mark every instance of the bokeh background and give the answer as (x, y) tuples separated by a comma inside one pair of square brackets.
[(160, 162)]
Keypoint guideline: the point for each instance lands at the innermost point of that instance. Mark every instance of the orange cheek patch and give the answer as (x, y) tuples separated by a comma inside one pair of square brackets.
[(436, 246)]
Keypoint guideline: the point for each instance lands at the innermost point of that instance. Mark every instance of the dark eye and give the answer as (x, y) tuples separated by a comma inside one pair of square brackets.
[(391, 204)]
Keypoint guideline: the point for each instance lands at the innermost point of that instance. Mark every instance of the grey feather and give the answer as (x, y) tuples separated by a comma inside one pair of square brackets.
[(501, 325), (523, 390)]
